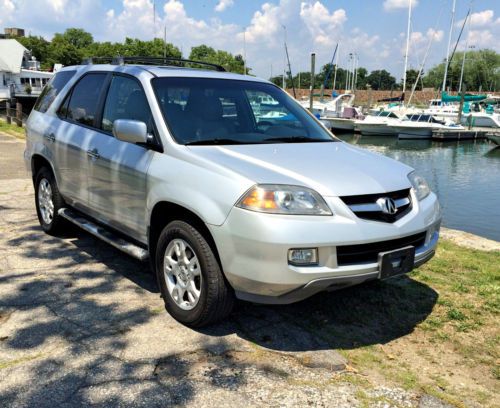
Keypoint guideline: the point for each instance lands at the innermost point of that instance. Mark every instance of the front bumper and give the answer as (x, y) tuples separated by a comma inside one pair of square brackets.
[(253, 249)]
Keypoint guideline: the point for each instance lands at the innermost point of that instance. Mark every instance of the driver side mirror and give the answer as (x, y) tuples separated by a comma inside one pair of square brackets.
[(131, 131)]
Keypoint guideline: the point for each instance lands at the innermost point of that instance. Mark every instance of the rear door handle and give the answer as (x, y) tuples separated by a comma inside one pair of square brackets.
[(93, 153), (51, 137)]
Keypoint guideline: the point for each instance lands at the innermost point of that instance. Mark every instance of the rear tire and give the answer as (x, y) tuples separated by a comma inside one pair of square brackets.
[(191, 281), (48, 202)]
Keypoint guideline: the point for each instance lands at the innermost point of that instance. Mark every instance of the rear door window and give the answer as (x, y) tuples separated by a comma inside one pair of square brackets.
[(52, 89), (126, 100), (84, 101)]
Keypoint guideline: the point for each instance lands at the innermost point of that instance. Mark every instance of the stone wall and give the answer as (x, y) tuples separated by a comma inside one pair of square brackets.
[(365, 97)]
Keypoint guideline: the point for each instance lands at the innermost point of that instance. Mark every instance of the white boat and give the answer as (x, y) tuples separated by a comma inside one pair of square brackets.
[(421, 126), (20, 74), (442, 110), (338, 113), (481, 119), (331, 108), (379, 124)]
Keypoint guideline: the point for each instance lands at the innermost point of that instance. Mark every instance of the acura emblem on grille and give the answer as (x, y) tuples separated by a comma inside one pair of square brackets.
[(387, 205)]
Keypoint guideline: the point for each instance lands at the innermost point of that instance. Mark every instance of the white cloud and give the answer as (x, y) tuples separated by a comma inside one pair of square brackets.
[(264, 24), (390, 5), (58, 5), (223, 5), (484, 39), (8, 8), (480, 19), (135, 20), (323, 25)]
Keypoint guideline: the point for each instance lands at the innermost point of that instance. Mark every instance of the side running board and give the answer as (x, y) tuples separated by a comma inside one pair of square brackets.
[(102, 233)]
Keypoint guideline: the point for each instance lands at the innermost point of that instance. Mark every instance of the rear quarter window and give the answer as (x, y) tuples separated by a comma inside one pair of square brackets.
[(52, 89)]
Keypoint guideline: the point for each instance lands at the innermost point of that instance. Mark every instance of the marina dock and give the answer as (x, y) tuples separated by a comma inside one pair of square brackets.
[(467, 134)]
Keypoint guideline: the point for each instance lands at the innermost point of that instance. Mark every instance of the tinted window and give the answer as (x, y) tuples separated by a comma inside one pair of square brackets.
[(52, 89), (126, 100), (219, 111), (84, 100)]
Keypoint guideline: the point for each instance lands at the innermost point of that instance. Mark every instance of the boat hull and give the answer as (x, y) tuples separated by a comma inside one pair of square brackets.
[(413, 133), (375, 129), (343, 124)]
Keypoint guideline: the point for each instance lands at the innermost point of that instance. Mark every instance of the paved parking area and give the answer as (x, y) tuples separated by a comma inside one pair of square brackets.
[(81, 324)]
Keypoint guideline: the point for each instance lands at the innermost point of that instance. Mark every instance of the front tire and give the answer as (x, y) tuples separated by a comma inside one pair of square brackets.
[(48, 201), (191, 281)]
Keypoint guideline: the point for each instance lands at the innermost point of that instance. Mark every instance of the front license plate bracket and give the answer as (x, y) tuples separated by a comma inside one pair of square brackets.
[(397, 262)]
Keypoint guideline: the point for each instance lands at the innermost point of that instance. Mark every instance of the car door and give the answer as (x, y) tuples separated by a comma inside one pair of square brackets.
[(42, 126), (77, 116), (117, 173)]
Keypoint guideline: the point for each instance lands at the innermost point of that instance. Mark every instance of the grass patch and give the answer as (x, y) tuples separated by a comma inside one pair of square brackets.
[(433, 332), (12, 129), (464, 320)]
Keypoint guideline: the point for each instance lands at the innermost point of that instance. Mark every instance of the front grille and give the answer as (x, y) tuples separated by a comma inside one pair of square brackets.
[(368, 253), (365, 206)]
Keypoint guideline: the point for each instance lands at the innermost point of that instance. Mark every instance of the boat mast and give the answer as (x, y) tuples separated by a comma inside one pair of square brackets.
[(284, 56), (465, 51), (336, 66), (449, 45), (407, 48)]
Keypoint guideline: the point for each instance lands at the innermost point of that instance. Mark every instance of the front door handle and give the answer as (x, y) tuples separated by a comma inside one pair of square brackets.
[(51, 137), (93, 153)]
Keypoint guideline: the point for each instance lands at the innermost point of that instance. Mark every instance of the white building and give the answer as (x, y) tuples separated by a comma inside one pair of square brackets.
[(20, 74)]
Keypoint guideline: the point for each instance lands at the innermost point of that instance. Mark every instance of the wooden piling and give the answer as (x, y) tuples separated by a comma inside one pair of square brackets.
[(9, 121), (19, 114)]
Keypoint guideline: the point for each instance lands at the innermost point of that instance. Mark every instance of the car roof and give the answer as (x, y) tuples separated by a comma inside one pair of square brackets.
[(165, 71)]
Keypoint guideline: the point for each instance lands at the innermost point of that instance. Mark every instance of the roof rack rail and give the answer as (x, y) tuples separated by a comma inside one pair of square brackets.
[(165, 61)]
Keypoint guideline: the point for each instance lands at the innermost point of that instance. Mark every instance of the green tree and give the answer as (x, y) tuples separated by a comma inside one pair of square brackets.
[(381, 80), (62, 52), (411, 77), (481, 72), (361, 78), (232, 63), (77, 37)]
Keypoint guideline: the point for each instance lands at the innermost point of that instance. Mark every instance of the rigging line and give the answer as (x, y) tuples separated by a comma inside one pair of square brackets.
[(431, 40), (290, 72), (459, 36), (330, 69)]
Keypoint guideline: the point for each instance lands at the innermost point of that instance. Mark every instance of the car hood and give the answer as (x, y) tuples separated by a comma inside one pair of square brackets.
[(332, 169)]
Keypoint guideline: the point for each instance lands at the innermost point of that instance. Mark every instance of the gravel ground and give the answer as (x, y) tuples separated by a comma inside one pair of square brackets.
[(82, 324)]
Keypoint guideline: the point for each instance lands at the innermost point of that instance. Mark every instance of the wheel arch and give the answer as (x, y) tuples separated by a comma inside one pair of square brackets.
[(164, 212), (37, 162)]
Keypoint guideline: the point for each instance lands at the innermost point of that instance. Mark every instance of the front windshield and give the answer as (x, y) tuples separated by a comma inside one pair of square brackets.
[(221, 111)]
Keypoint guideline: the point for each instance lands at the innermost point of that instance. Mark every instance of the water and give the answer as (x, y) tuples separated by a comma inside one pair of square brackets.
[(465, 175)]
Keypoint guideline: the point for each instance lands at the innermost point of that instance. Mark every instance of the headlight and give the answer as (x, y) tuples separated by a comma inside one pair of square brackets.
[(283, 199), (420, 186)]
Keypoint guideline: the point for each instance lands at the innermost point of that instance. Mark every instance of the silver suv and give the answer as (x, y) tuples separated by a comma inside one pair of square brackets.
[(227, 185)]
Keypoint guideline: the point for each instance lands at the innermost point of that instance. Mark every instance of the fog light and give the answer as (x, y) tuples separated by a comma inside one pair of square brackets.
[(303, 256)]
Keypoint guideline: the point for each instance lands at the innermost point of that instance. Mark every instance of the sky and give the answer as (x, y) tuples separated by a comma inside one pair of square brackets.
[(374, 30)]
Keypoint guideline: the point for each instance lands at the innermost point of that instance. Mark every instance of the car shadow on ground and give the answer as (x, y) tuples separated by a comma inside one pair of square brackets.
[(368, 314), (372, 313), (65, 294)]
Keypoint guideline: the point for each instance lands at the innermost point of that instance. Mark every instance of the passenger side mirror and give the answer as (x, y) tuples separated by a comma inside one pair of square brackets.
[(131, 131)]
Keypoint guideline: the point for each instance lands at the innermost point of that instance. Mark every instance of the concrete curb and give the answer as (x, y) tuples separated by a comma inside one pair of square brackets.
[(468, 240)]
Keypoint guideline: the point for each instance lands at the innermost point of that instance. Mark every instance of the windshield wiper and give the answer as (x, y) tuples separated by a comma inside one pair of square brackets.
[(215, 142), (296, 139)]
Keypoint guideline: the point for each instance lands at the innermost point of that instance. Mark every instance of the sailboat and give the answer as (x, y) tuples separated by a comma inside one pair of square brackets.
[(381, 123)]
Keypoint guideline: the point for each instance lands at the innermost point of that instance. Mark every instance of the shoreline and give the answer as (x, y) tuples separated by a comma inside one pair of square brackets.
[(469, 240)]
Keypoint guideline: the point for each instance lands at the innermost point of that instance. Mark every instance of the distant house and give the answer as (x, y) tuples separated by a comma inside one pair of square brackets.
[(20, 74)]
